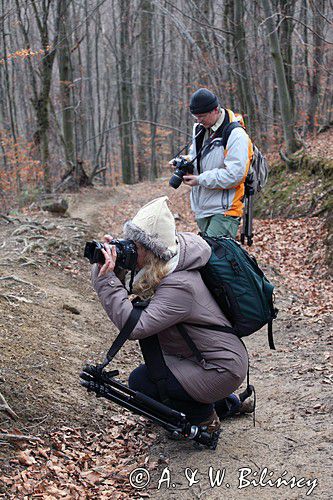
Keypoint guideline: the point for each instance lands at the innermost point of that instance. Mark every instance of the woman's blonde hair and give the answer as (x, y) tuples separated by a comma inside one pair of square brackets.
[(154, 271)]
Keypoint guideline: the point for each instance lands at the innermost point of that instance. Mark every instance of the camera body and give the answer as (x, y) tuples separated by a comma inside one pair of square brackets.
[(183, 167), (126, 253)]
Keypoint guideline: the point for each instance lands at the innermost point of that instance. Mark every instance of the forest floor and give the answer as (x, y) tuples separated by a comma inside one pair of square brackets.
[(52, 323)]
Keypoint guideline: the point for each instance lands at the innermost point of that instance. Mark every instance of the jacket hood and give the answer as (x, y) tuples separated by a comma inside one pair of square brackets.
[(194, 252)]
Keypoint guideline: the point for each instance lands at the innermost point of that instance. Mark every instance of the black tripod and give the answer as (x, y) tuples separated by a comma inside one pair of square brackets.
[(103, 383)]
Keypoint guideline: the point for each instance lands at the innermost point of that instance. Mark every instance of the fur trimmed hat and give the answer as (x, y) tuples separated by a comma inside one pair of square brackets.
[(154, 227)]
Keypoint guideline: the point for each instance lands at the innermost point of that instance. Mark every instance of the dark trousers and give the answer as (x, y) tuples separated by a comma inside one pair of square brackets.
[(196, 412)]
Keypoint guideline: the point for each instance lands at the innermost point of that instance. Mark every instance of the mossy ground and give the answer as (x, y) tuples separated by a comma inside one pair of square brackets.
[(305, 191)]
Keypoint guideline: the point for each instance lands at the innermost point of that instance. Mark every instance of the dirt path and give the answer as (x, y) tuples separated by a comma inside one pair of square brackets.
[(51, 323)]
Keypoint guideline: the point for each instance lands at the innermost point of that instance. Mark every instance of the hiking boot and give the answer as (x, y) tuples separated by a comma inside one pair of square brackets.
[(247, 407), (212, 423), (228, 407), (248, 399)]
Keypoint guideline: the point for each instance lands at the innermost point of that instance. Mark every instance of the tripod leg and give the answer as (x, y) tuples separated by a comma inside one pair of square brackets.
[(245, 220), (249, 221)]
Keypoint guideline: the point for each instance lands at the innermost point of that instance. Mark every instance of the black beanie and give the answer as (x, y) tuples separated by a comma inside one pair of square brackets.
[(203, 101)]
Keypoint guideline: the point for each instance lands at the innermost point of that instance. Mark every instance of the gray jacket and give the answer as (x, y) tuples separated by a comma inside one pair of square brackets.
[(223, 172), (183, 297)]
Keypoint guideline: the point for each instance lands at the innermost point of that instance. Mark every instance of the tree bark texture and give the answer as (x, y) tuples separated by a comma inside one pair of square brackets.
[(241, 60), (125, 86), (66, 82), (283, 92), (317, 63)]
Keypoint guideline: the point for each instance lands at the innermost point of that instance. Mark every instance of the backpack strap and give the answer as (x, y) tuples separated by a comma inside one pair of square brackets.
[(216, 328), (202, 148), (182, 330), (274, 313), (220, 136), (227, 131)]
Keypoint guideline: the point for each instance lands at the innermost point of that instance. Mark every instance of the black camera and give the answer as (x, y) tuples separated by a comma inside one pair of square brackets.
[(126, 253), (183, 167)]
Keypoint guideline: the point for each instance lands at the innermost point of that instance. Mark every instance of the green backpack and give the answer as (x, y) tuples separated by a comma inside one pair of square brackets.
[(240, 287)]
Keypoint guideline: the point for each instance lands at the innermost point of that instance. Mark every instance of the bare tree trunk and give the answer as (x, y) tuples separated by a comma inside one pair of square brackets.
[(126, 105), (145, 86), (153, 98), (90, 95), (317, 63), (6, 73), (42, 95), (283, 92), (228, 26), (10, 97), (66, 82), (242, 66), (287, 8), (202, 11)]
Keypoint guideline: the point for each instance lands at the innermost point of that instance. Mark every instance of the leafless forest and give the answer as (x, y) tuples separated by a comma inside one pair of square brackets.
[(99, 90)]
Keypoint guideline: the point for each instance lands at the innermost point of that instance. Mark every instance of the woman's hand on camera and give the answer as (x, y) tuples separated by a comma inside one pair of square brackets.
[(107, 238), (110, 255)]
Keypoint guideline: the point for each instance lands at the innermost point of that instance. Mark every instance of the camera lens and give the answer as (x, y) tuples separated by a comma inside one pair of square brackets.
[(126, 253), (175, 181)]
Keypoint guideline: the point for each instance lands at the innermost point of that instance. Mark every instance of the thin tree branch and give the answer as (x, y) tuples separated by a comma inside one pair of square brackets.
[(315, 8), (200, 23), (296, 21), (161, 125)]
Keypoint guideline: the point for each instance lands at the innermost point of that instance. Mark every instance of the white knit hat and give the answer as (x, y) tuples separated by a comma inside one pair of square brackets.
[(154, 227)]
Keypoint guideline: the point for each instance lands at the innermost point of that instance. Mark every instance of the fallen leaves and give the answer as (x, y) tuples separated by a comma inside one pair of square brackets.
[(295, 248), (25, 458), (81, 464)]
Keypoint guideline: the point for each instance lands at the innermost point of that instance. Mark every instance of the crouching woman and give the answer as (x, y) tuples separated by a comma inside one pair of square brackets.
[(168, 274)]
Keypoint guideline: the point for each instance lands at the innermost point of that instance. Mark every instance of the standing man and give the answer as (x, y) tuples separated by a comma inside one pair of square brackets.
[(219, 172)]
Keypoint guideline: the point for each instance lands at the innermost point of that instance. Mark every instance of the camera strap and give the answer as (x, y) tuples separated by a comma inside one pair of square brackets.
[(130, 286), (151, 351), (125, 332)]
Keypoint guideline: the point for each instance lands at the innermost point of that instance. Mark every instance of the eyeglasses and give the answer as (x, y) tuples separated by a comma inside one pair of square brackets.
[(201, 117)]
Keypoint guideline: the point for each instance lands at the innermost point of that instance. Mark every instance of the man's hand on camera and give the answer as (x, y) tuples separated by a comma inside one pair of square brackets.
[(191, 180), (110, 255)]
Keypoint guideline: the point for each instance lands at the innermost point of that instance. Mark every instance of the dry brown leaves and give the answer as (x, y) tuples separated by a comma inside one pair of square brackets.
[(294, 250), (316, 146), (79, 464), (321, 146)]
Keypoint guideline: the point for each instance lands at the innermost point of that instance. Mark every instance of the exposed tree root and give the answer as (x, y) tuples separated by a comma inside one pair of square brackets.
[(18, 437), (4, 406)]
